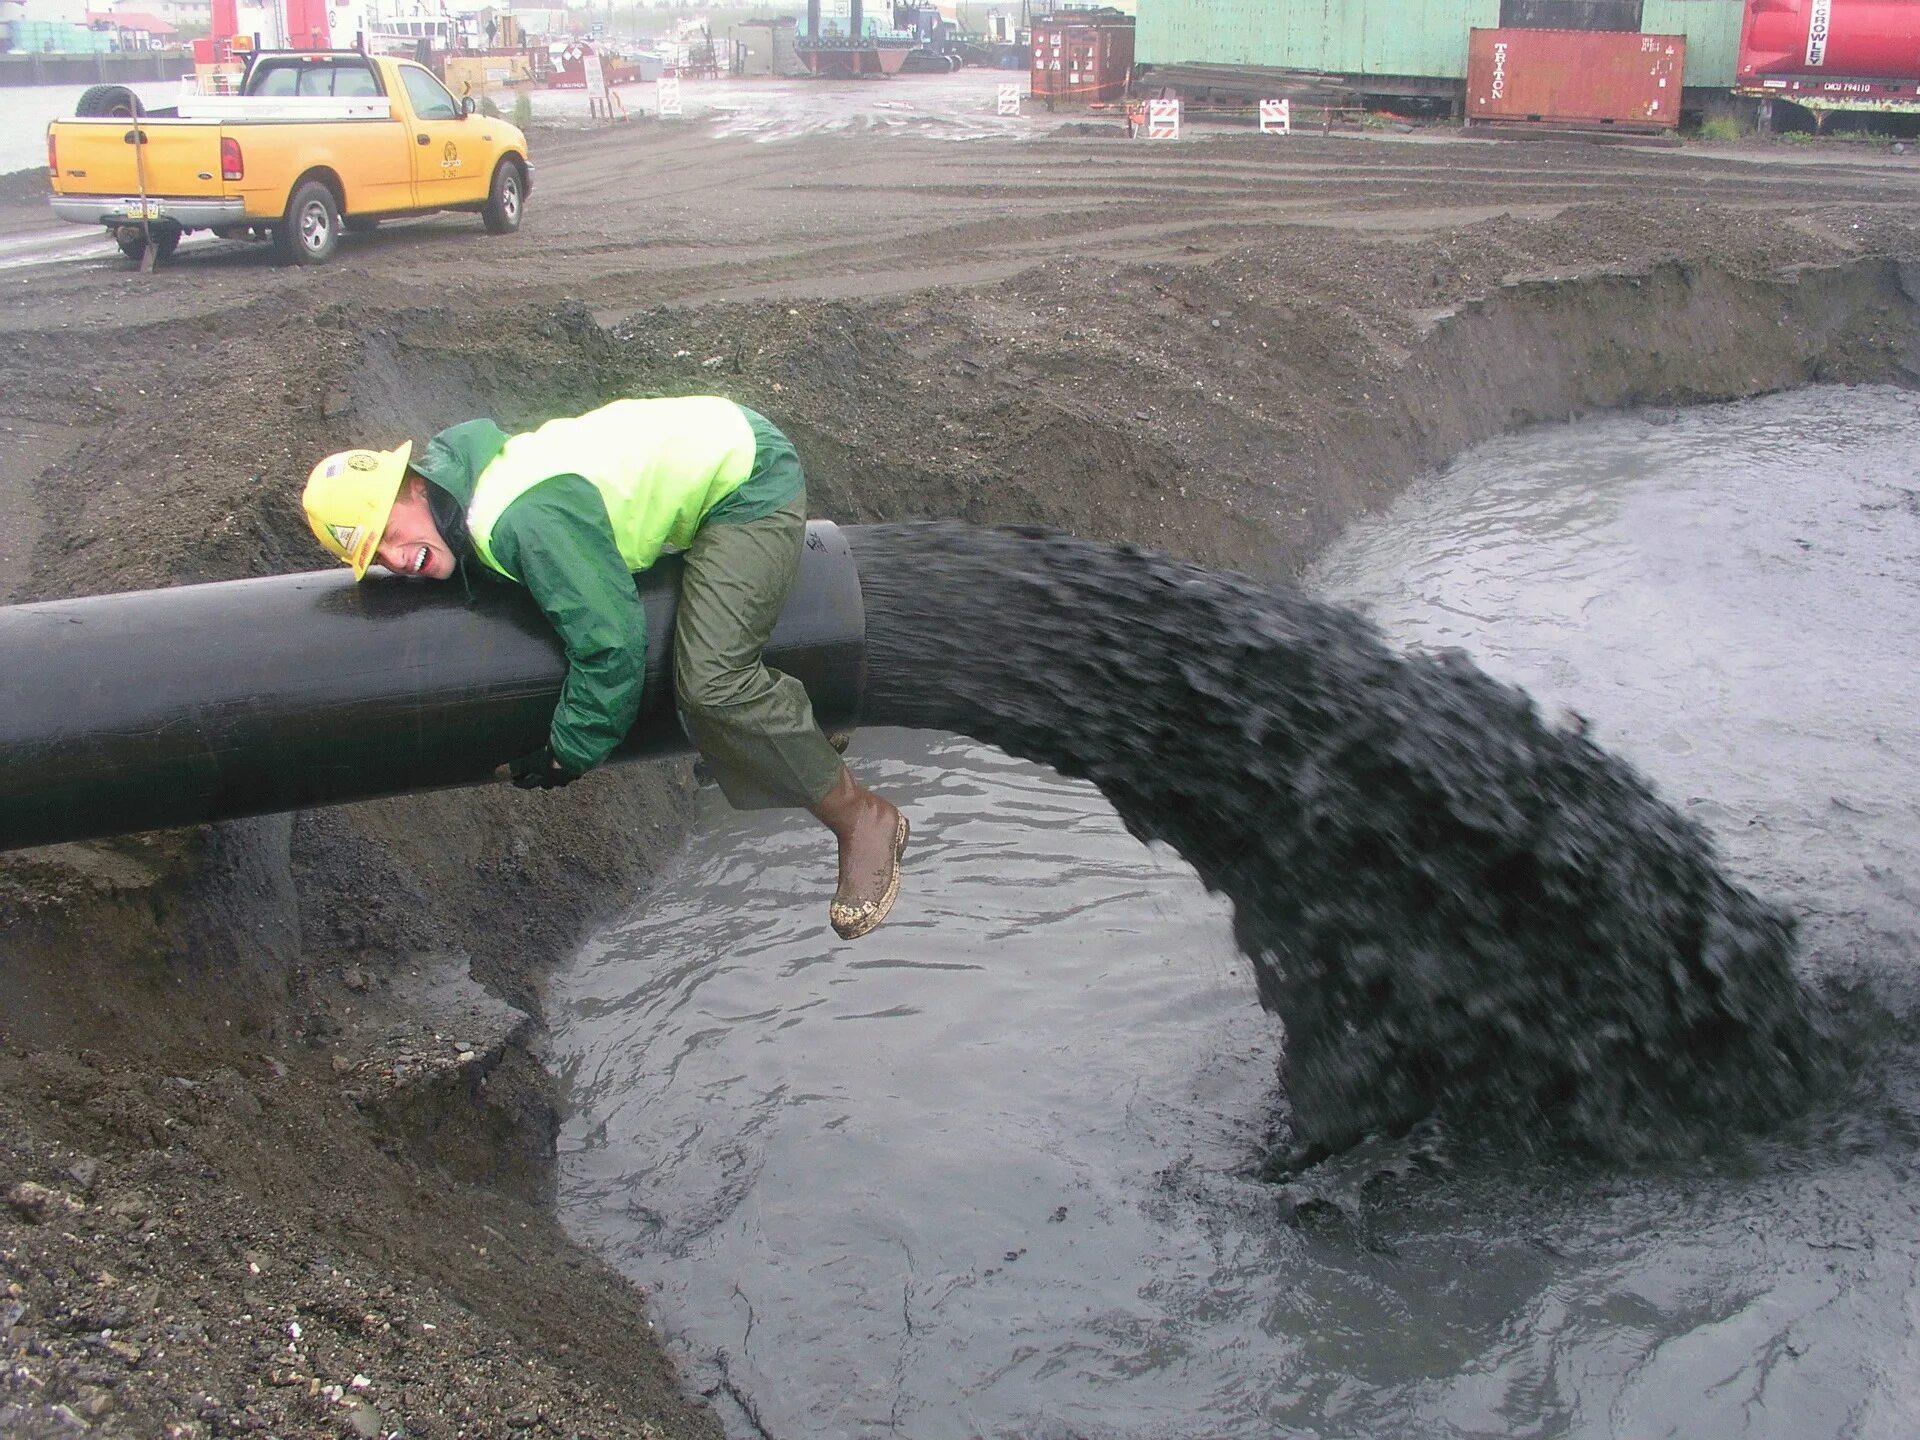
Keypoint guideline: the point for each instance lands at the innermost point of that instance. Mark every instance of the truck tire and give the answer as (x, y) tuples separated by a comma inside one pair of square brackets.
[(133, 242), (506, 198), (311, 231), (97, 100)]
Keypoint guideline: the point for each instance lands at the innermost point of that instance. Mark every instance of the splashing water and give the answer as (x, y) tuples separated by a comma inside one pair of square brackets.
[(1458, 910)]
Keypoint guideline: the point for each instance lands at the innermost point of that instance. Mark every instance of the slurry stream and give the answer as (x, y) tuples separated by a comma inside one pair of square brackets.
[(991, 1171)]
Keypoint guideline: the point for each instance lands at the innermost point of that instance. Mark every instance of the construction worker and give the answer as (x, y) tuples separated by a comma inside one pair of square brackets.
[(571, 510)]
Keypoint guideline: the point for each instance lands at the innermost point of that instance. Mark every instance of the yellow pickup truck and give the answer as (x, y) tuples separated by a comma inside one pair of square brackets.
[(315, 143)]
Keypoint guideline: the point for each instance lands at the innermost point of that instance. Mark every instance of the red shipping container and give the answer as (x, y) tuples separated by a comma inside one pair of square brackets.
[(1081, 58), (1579, 77)]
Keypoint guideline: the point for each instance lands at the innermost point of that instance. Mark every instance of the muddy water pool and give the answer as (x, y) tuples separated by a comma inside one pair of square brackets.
[(989, 1172)]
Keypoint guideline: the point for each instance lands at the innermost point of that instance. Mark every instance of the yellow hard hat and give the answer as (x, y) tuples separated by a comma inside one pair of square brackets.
[(348, 499)]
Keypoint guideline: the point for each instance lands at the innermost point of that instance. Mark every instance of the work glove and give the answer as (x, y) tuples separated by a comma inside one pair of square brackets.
[(538, 771)]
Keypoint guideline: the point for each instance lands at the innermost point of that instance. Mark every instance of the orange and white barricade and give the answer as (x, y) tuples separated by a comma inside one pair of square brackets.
[(1009, 99), (1276, 117), (1163, 119), (668, 96)]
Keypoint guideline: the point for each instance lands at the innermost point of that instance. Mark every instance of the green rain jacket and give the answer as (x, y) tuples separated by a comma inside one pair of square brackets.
[(581, 516)]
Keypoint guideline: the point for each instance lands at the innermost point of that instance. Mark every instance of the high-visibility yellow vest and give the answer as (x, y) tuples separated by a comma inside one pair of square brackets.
[(660, 466)]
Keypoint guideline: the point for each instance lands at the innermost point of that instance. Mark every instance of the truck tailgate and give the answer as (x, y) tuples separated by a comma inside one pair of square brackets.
[(100, 157)]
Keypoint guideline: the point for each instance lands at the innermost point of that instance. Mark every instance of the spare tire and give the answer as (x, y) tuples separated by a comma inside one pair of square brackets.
[(108, 100)]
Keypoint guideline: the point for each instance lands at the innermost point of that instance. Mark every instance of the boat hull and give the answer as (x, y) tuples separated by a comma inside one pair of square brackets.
[(851, 61)]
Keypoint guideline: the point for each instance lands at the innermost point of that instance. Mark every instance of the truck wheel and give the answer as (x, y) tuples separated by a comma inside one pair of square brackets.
[(311, 232), (133, 242), (506, 198), (97, 100)]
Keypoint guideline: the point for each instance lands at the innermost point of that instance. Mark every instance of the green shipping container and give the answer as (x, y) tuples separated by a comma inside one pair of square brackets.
[(1340, 37), (1422, 38), (1712, 28)]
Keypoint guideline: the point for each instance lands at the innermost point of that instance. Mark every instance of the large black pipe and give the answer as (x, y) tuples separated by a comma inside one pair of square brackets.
[(209, 702)]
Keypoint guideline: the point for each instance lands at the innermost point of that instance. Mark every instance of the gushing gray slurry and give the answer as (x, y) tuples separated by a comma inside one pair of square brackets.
[(1460, 912), (993, 1170)]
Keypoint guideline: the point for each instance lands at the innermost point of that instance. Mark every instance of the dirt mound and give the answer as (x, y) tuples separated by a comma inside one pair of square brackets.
[(24, 185)]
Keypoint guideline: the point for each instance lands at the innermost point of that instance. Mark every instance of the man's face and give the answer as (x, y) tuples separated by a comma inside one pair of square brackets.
[(412, 545)]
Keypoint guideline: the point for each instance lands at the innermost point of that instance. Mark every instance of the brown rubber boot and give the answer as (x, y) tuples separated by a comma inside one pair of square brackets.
[(872, 835)]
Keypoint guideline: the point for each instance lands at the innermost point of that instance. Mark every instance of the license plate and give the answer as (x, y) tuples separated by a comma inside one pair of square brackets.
[(142, 209)]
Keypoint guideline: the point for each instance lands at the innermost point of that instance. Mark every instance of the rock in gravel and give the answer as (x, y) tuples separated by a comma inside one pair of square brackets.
[(37, 1204)]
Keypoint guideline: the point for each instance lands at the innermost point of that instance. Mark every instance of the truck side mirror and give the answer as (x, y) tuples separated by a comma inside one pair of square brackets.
[(467, 107)]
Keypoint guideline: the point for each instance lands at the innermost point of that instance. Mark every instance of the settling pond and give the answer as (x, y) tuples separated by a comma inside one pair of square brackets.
[(990, 1172)]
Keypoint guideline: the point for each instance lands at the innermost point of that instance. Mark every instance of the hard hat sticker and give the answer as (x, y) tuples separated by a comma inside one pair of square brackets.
[(346, 536), (361, 460)]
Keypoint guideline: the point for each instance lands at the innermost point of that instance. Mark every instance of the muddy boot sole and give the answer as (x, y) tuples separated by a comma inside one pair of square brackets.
[(850, 922)]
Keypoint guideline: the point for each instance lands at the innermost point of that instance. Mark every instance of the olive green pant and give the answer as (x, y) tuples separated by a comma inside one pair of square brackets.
[(755, 725)]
